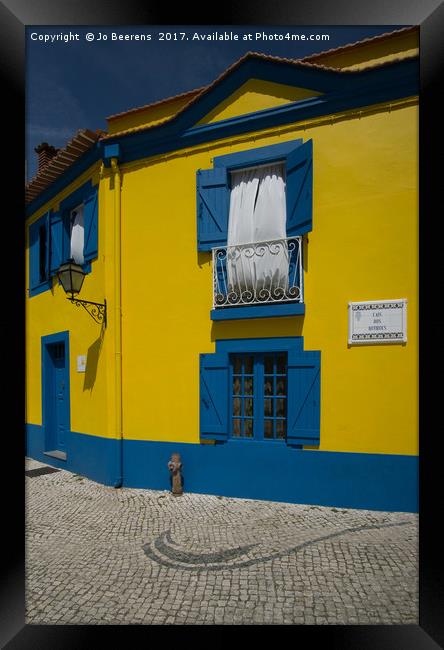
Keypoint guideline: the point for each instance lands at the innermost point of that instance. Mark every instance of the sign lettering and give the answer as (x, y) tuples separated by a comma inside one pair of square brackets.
[(382, 321)]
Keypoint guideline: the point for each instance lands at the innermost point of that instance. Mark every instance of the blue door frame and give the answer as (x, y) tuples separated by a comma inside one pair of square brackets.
[(56, 393)]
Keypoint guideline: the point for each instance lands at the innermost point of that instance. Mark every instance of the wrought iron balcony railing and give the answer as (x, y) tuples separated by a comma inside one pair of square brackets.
[(258, 273)]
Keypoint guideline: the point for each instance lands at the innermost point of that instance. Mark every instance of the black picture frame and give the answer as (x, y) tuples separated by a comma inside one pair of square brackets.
[(15, 15)]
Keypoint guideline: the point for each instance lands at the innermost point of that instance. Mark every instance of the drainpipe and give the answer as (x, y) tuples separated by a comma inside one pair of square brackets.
[(118, 320)]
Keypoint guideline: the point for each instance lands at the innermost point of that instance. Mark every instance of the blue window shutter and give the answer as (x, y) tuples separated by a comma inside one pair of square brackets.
[(90, 220), (214, 377), (299, 189), (56, 242), (213, 204), (47, 225), (34, 273), (304, 396), (39, 269)]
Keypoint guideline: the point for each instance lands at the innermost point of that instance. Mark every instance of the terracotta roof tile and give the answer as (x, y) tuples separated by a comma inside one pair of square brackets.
[(64, 158), (267, 57), (167, 100), (356, 44), (306, 61), (197, 94), (193, 94)]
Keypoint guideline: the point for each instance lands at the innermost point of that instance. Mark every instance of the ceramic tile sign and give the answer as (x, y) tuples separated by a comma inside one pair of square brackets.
[(377, 321)]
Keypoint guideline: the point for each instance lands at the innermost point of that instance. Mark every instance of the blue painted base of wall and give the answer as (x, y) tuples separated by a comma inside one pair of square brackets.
[(254, 470), (91, 456)]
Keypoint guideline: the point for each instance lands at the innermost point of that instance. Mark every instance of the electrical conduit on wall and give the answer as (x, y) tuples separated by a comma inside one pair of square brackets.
[(118, 320)]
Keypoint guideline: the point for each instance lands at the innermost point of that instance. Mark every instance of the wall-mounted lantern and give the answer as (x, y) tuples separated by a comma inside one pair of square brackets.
[(71, 276)]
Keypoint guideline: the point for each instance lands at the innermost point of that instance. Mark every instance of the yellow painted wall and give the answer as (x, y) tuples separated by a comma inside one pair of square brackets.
[(256, 95), (50, 312), (363, 246)]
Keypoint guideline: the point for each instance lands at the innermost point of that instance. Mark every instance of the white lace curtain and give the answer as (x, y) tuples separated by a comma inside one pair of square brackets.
[(257, 214), (77, 235)]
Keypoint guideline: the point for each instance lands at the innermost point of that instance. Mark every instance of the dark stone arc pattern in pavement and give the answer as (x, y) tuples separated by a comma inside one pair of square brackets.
[(96, 555), (163, 551)]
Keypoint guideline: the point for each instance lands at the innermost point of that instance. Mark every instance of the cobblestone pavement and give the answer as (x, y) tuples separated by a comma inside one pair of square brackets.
[(96, 555)]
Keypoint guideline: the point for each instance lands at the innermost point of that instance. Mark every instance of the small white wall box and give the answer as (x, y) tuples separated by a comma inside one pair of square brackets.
[(81, 363)]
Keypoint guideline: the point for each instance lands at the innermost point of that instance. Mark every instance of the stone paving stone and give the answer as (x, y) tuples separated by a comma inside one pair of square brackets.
[(95, 555)]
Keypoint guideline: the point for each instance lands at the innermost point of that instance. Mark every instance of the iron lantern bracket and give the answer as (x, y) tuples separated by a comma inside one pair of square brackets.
[(96, 310)]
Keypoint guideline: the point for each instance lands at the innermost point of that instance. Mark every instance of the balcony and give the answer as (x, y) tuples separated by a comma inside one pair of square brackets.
[(262, 273)]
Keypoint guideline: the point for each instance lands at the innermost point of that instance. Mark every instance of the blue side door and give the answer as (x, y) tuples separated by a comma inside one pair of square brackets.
[(56, 397), (61, 399)]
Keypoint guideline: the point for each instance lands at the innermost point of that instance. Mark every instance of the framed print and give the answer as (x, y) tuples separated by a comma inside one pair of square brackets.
[(260, 388)]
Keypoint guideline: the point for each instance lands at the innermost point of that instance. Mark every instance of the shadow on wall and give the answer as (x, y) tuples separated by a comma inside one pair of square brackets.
[(305, 241), (203, 258), (92, 361)]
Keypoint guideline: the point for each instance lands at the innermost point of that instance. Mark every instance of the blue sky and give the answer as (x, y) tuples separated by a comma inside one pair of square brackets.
[(74, 84)]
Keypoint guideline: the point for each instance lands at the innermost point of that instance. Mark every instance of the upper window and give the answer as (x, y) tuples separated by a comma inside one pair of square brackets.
[(215, 186), (254, 267), (253, 208), (70, 232), (39, 274), (78, 236)]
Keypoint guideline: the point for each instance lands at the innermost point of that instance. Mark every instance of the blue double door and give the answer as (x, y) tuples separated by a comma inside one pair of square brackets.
[(56, 407)]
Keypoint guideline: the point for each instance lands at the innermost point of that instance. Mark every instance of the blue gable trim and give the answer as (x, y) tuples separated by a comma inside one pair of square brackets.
[(258, 311), (352, 90), (325, 81), (146, 144), (330, 83), (275, 71), (342, 91)]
